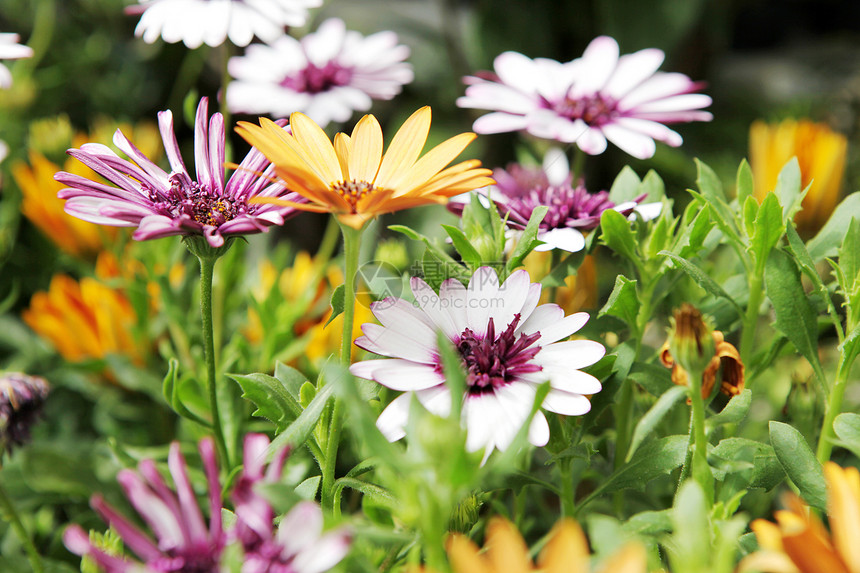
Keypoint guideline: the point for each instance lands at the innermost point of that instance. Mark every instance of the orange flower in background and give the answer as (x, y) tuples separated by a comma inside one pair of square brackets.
[(799, 543), (352, 178), (821, 154), (567, 551), (579, 291), (85, 319)]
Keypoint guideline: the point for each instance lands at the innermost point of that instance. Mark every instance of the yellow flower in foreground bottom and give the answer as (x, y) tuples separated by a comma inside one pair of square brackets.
[(821, 155), (505, 551), (799, 543), (84, 319), (352, 179)]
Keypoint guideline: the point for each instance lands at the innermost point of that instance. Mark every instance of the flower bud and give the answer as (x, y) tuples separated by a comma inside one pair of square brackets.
[(690, 339)]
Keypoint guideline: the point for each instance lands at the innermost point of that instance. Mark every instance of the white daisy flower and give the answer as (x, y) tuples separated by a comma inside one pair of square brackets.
[(508, 346), (327, 75), (10, 49), (211, 22)]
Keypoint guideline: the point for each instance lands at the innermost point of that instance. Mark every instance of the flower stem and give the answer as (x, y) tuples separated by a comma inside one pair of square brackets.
[(568, 502), (701, 472), (8, 511), (351, 246), (751, 317), (833, 408)]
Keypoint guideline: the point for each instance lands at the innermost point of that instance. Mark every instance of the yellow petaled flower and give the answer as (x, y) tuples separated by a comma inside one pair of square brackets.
[(40, 204), (821, 154), (579, 291), (505, 551), (85, 319), (352, 178), (799, 543)]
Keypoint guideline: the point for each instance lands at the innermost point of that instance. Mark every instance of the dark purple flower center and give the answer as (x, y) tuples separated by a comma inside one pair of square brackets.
[(191, 560), (493, 361), (568, 207), (594, 110), (313, 79), (187, 198)]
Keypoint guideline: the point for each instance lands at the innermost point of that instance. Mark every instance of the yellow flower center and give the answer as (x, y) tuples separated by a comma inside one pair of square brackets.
[(353, 191)]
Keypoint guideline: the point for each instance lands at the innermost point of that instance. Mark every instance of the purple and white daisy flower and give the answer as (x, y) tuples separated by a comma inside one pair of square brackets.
[(508, 346), (598, 97), (211, 22), (184, 542), (519, 190), (10, 49), (297, 544), (327, 75), (162, 204)]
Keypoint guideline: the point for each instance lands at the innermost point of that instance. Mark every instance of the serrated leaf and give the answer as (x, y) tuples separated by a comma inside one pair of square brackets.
[(461, 243), (337, 301), (692, 237), (826, 242), (767, 230), (788, 188), (651, 461), (617, 235), (799, 463), (654, 416), (272, 398), (307, 490), (623, 302), (801, 256), (659, 237), (734, 412), (795, 317), (748, 214), (528, 240), (291, 378), (702, 279), (711, 192), (300, 429), (847, 428), (655, 379), (744, 453), (744, 182), (625, 187), (849, 255)]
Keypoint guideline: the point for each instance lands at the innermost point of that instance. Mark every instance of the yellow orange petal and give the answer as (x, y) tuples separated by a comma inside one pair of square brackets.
[(404, 150), (566, 551), (630, 559), (843, 508), (465, 556), (366, 152), (319, 151), (342, 146), (506, 549), (437, 158)]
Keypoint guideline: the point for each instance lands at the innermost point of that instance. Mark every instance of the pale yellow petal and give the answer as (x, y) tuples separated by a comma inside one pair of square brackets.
[(505, 547), (630, 559), (318, 149), (437, 159), (767, 534), (843, 508), (465, 556), (404, 150), (767, 562), (366, 151), (566, 551), (342, 145)]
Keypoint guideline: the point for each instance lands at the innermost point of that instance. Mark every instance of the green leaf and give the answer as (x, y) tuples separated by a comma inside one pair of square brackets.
[(528, 241), (801, 256), (653, 416), (734, 412), (291, 378), (691, 529), (300, 429), (617, 235), (768, 228), (691, 239), (307, 490), (799, 463), (623, 302), (651, 461), (749, 213), (171, 390), (653, 187), (849, 256), (373, 491), (744, 182), (461, 243), (711, 192), (336, 303), (847, 428), (625, 187), (658, 239), (703, 279), (826, 242), (273, 399), (788, 188), (795, 317), (655, 379), (756, 457)]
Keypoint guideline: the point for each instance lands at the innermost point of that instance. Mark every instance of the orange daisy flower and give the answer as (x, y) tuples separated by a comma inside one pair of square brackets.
[(352, 178)]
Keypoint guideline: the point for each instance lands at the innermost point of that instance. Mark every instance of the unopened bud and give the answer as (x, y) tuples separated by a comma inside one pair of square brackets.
[(690, 339)]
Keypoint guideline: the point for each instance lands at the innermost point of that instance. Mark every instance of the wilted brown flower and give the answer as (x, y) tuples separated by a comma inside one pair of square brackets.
[(724, 355)]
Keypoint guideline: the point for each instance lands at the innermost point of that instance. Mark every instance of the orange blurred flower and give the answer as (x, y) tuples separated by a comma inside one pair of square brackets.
[(352, 178), (85, 319), (579, 291), (567, 551), (799, 543), (821, 154)]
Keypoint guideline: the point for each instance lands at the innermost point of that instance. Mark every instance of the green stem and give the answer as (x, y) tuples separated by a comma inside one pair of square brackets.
[(833, 408), (554, 261), (568, 501), (751, 317), (351, 246), (577, 165), (701, 471), (11, 515)]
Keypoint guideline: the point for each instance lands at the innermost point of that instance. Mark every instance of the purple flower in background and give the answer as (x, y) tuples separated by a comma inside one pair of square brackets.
[(519, 190), (21, 399), (211, 22), (162, 204), (598, 97), (183, 540), (10, 49), (327, 75), (508, 346), (297, 544)]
